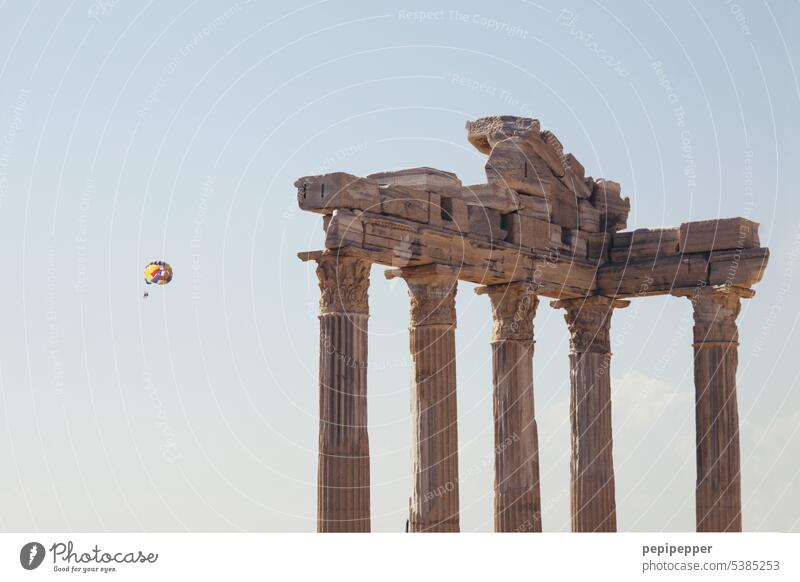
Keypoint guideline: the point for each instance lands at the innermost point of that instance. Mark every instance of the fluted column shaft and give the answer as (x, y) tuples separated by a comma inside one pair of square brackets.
[(517, 500), (434, 503), (718, 493), (343, 497), (592, 502)]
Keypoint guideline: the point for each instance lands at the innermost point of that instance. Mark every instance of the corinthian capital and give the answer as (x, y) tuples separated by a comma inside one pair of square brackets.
[(343, 283), (589, 320), (432, 290), (433, 302), (715, 311), (513, 309)]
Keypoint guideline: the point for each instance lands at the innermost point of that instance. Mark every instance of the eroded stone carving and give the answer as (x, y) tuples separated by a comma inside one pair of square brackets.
[(715, 312), (513, 308), (588, 320), (433, 298), (344, 284)]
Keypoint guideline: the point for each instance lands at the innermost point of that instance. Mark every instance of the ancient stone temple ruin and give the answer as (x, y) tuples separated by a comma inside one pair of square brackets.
[(538, 227)]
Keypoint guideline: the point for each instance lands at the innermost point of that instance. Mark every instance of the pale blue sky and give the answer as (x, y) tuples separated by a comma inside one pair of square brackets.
[(136, 131)]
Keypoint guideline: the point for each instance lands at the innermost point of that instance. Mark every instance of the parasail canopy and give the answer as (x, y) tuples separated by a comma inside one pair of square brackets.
[(157, 273)]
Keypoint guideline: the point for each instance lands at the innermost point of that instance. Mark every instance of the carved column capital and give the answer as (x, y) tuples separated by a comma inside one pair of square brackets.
[(513, 309), (715, 311), (432, 290), (589, 319), (344, 284), (433, 302)]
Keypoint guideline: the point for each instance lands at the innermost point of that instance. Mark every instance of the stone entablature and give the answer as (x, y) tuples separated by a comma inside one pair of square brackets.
[(537, 218)]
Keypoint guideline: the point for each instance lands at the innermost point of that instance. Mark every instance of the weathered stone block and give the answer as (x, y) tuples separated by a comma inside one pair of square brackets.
[(576, 241), (534, 206), (645, 276), (434, 209), (564, 209), (613, 208), (598, 246), (644, 242), (390, 230), (514, 163), (532, 233), (588, 217), (486, 132), (719, 234), (404, 202), (743, 267), (345, 228), (453, 214), (327, 192), (494, 196), (574, 178), (485, 222), (422, 178)]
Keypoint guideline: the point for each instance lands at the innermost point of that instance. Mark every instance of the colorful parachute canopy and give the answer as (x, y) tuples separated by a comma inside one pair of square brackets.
[(157, 273)]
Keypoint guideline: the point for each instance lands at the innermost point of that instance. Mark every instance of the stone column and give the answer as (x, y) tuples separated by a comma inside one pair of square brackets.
[(718, 496), (434, 449), (592, 502), (343, 470), (517, 501)]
